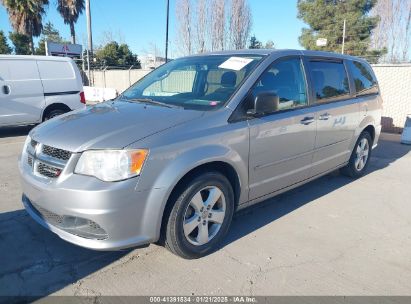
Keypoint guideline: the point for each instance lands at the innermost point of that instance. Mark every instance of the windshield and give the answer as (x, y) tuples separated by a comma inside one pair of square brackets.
[(199, 82)]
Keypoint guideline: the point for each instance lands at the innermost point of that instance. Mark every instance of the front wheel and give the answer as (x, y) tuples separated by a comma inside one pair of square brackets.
[(201, 216), (360, 157)]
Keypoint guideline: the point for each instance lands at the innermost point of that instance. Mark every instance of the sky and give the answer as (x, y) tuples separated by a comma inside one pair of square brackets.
[(141, 23)]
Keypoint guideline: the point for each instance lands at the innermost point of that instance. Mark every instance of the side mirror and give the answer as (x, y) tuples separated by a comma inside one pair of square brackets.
[(264, 103)]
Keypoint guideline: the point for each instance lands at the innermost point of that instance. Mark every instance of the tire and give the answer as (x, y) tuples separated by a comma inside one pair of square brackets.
[(359, 161), (191, 232), (53, 113)]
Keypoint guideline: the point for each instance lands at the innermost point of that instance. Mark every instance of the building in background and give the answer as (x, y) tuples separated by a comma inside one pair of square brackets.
[(150, 62)]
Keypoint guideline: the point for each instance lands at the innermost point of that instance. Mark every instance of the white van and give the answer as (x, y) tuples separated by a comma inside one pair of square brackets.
[(36, 88)]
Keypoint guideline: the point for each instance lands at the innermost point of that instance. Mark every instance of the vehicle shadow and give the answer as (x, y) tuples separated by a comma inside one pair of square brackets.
[(15, 131), (254, 217), (36, 263)]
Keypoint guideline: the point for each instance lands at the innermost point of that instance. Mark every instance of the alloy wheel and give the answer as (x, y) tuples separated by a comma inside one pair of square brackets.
[(204, 215), (362, 153)]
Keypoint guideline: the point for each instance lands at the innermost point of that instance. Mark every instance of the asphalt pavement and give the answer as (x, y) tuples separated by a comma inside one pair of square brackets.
[(333, 236)]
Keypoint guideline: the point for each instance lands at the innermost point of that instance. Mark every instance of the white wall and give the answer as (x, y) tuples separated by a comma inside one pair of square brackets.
[(395, 86), (117, 79)]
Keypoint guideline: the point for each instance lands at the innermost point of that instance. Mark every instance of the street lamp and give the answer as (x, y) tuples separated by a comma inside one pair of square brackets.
[(167, 21)]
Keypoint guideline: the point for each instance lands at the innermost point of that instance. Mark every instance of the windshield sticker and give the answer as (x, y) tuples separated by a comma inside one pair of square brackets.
[(213, 103), (235, 63)]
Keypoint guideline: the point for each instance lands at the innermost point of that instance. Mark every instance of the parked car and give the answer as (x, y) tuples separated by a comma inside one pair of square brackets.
[(174, 156), (34, 89)]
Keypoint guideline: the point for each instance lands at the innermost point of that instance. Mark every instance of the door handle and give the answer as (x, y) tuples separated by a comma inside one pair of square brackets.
[(6, 89), (307, 120), (325, 116)]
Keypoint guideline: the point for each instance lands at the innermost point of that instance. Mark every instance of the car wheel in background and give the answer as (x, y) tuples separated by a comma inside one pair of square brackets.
[(54, 113), (201, 216)]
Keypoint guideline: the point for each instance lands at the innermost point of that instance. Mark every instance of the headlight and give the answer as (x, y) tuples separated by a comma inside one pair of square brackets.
[(111, 165), (26, 144)]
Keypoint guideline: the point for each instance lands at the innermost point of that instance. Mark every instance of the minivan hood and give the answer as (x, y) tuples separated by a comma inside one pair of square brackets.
[(109, 125)]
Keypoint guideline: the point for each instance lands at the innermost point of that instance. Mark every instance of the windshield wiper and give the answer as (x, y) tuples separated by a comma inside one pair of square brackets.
[(150, 101)]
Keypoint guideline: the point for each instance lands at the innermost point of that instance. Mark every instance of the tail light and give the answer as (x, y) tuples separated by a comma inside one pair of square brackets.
[(82, 98)]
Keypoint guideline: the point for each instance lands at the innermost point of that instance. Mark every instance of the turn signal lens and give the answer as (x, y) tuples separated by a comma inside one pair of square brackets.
[(137, 160)]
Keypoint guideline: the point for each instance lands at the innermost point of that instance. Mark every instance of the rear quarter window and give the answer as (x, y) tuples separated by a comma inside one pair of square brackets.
[(330, 80), (55, 70), (363, 77)]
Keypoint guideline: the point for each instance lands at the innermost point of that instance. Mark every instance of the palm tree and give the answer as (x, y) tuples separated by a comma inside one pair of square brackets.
[(70, 10), (26, 17)]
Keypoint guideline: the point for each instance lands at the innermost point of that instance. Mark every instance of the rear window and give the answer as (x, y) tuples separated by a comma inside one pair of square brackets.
[(364, 79), (55, 70), (329, 80)]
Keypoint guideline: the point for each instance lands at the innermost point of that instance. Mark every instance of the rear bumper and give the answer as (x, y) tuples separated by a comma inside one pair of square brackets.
[(377, 136), (127, 217)]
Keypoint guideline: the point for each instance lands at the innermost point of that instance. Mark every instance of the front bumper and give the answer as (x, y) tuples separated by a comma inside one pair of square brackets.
[(127, 216)]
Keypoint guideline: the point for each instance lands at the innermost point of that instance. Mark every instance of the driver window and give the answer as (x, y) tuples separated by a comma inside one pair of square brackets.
[(285, 79)]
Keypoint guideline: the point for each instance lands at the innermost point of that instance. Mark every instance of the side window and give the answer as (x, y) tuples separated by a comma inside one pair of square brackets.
[(329, 80), (286, 79), (364, 80)]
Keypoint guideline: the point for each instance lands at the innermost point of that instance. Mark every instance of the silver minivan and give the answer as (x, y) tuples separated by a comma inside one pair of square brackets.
[(175, 155)]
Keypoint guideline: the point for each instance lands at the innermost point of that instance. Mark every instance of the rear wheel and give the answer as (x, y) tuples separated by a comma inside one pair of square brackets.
[(360, 156), (54, 113), (201, 216)]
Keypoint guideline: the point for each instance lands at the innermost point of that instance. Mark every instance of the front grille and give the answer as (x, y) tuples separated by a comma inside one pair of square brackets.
[(48, 171), (81, 227), (56, 153), (48, 216), (46, 161)]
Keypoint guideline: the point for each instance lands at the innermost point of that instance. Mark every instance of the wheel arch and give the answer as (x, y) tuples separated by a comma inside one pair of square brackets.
[(371, 130), (367, 124), (220, 166), (54, 106)]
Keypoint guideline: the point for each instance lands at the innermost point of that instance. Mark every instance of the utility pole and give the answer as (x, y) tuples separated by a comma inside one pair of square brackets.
[(90, 38), (343, 38), (168, 14)]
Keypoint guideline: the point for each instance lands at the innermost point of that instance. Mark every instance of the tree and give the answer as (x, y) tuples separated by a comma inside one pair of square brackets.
[(393, 32), (269, 45), (326, 18), (184, 26), (50, 33), (208, 24), (26, 17), (239, 24), (201, 26), (254, 43), (218, 25), (21, 43), (70, 10), (113, 54), (4, 46)]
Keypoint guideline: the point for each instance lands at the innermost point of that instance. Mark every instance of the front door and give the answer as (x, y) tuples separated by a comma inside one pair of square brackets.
[(281, 143)]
